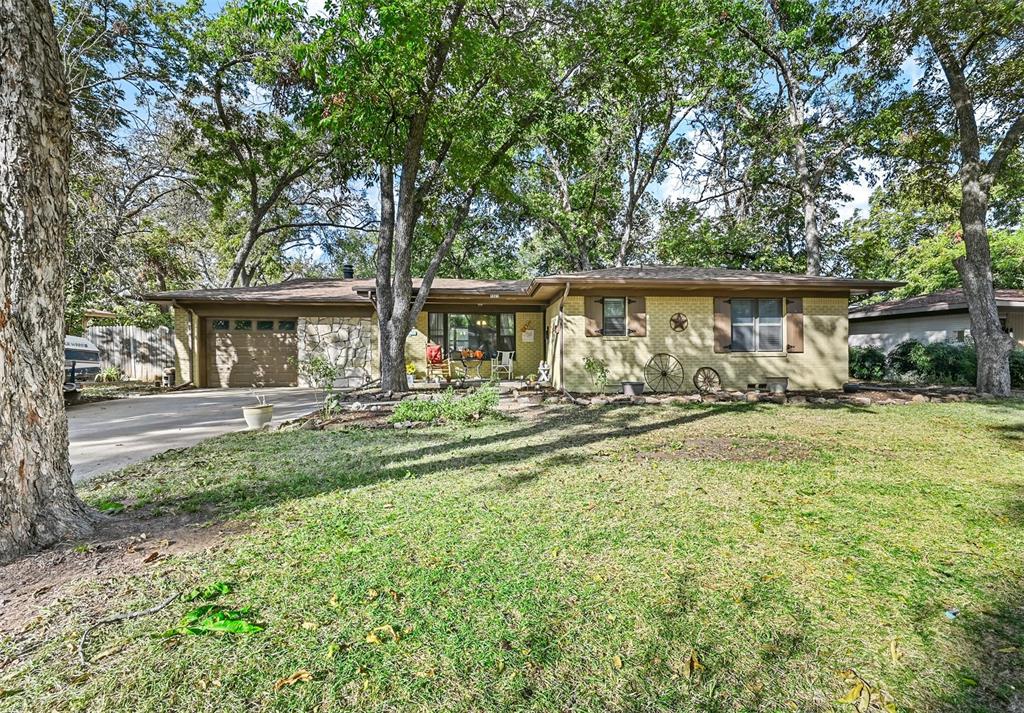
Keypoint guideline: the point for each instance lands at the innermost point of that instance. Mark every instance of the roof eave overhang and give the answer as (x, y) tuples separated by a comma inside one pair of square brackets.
[(833, 285), (869, 313)]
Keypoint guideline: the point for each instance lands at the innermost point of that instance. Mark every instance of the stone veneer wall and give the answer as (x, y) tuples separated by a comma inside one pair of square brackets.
[(350, 342)]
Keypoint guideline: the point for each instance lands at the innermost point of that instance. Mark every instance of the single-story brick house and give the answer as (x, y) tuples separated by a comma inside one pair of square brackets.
[(934, 317), (750, 327)]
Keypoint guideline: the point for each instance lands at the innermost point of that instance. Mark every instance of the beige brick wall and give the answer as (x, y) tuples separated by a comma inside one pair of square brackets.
[(822, 365), (184, 328), (553, 351), (528, 354)]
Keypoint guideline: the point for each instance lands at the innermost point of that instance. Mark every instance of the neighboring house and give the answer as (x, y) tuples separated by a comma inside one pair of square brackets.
[(935, 317), (750, 327)]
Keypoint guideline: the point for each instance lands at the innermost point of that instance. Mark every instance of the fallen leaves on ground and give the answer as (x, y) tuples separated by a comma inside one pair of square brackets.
[(300, 675), (863, 697)]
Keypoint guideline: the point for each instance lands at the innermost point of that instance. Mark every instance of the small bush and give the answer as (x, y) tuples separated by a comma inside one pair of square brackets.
[(1017, 368), (905, 358), (109, 374), (945, 363), (598, 371), (867, 363), (935, 363), (449, 407)]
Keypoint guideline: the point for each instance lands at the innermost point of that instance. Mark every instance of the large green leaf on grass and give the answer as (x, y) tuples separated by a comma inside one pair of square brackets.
[(214, 619)]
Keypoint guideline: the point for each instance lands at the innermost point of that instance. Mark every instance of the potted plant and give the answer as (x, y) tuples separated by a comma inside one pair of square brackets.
[(258, 416), (410, 373), (632, 388)]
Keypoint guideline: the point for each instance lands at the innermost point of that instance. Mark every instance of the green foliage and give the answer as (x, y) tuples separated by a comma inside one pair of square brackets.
[(1017, 368), (209, 592), (598, 371), (449, 407), (107, 505), (215, 619), (867, 363), (320, 372), (905, 358), (109, 374), (945, 363)]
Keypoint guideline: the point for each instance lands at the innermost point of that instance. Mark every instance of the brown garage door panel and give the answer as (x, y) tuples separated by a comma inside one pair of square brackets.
[(246, 357)]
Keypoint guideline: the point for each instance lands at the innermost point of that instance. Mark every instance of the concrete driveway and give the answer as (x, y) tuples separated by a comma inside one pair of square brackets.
[(111, 434)]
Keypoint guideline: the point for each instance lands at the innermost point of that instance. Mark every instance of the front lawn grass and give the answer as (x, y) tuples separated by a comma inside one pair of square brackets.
[(709, 558)]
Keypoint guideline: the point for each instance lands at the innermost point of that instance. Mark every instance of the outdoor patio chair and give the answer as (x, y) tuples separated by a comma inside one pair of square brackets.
[(437, 363), (502, 364)]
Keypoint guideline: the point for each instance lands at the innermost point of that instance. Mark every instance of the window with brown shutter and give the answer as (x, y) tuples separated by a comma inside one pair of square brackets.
[(613, 317), (723, 324), (795, 325), (637, 316)]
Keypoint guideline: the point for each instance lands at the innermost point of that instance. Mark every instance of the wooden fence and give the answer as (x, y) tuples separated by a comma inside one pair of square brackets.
[(140, 354)]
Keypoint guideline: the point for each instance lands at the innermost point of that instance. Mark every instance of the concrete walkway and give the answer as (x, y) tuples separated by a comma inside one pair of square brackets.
[(112, 434)]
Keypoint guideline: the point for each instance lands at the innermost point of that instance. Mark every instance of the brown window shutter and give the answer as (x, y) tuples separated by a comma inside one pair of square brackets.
[(795, 325), (637, 310), (723, 324), (593, 312)]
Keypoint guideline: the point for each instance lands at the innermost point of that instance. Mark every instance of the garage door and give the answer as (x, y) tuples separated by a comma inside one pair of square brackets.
[(251, 351)]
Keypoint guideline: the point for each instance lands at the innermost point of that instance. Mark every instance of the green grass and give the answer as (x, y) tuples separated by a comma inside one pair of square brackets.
[(576, 562)]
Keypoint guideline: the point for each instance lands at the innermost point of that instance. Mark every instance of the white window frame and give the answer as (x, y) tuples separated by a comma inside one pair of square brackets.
[(756, 322), (625, 317)]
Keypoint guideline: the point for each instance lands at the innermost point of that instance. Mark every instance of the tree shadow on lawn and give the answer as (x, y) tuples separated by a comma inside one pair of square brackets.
[(990, 672), (293, 480)]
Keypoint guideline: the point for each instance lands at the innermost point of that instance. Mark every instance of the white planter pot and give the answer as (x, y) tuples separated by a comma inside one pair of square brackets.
[(258, 416), (410, 379)]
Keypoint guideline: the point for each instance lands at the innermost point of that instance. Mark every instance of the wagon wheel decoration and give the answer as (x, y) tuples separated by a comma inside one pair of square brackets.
[(664, 373), (679, 322), (707, 380)]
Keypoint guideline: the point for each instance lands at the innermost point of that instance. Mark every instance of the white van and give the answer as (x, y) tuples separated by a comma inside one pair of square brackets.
[(83, 356)]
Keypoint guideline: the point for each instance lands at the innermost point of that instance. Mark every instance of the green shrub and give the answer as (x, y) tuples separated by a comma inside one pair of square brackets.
[(109, 374), (1017, 368), (449, 407), (935, 363), (867, 363), (905, 358), (598, 371), (945, 363)]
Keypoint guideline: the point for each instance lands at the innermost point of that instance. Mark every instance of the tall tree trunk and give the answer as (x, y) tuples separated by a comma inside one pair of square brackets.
[(38, 505), (992, 344)]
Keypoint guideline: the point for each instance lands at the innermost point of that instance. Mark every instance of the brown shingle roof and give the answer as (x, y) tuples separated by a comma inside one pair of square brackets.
[(308, 291), (679, 274), (942, 301), (290, 291)]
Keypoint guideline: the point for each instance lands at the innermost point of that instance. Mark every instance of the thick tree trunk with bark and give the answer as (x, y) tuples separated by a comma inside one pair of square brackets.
[(977, 176), (993, 345), (38, 505)]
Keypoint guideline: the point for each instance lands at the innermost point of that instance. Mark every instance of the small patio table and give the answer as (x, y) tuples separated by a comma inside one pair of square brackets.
[(471, 363)]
